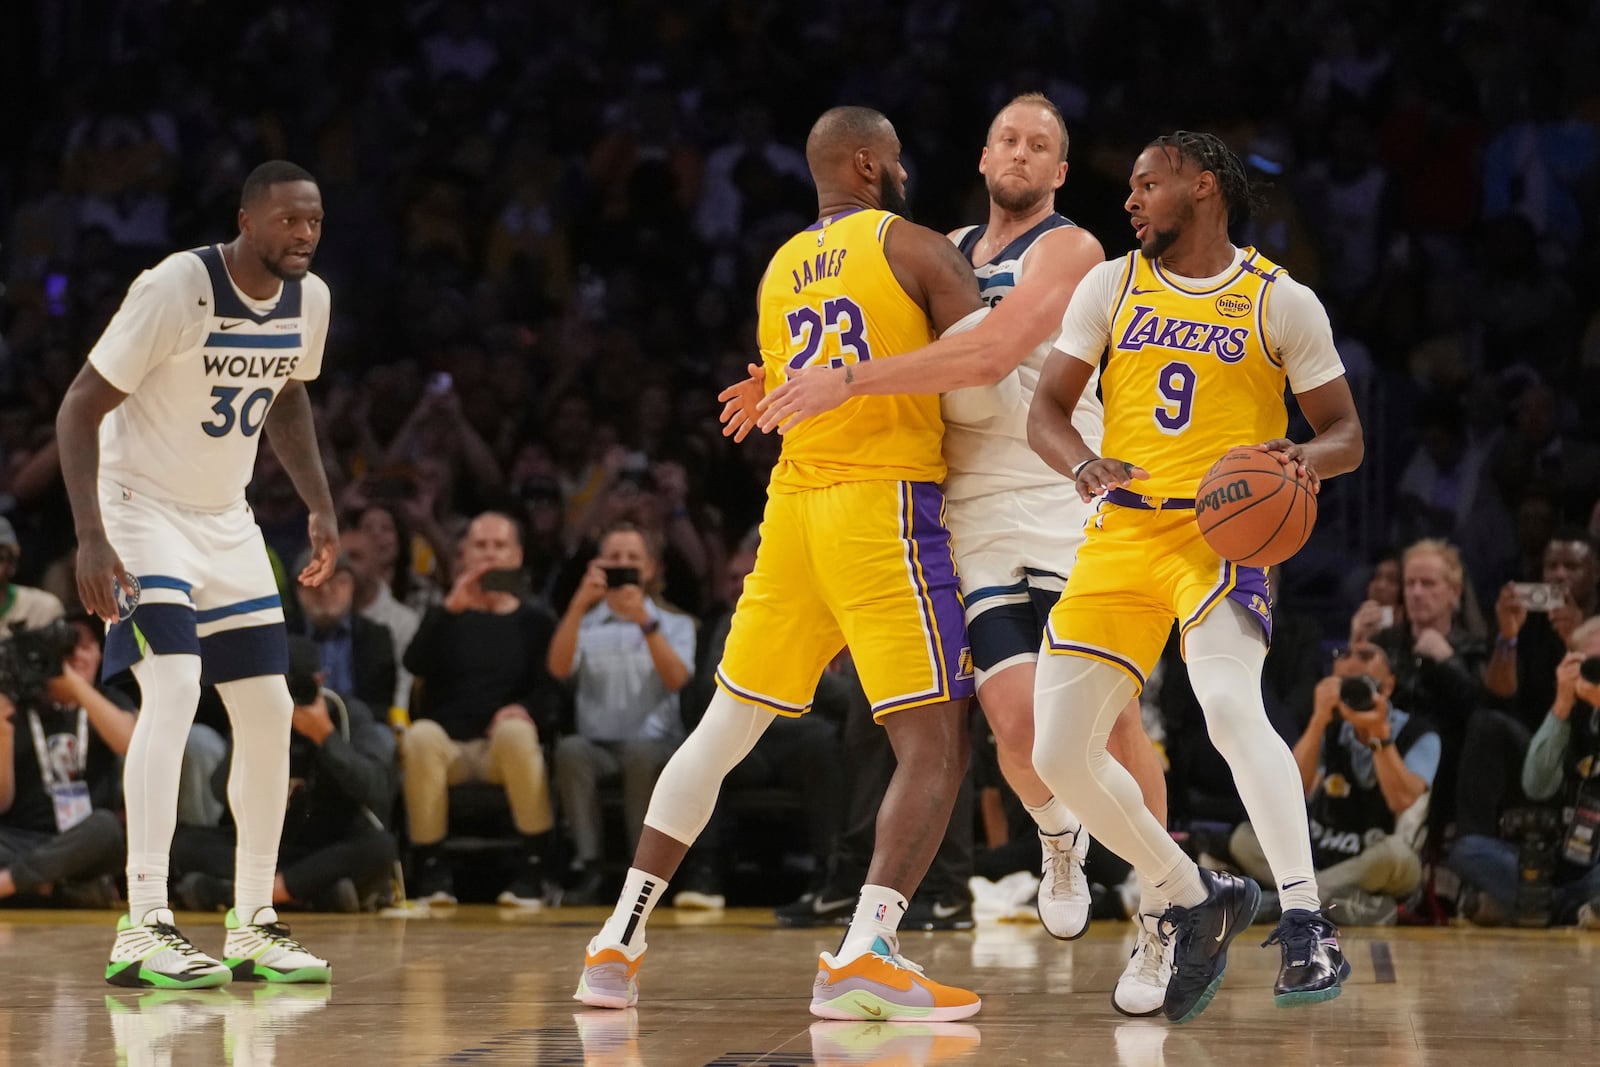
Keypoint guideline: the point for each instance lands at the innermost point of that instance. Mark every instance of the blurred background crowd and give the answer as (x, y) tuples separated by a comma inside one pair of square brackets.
[(546, 222)]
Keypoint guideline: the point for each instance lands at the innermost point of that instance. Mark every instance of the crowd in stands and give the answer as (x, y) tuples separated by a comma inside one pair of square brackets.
[(545, 227)]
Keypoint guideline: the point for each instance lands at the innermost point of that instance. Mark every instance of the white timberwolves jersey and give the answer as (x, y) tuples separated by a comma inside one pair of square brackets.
[(993, 455), (202, 364)]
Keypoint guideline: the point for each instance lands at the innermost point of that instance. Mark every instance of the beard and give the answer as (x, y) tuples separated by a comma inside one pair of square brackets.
[(279, 271), (892, 199), (1017, 201), (1157, 242)]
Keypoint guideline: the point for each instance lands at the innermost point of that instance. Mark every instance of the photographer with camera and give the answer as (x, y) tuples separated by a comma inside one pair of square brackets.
[(1542, 867), (336, 853), (1535, 622), (1367, 767), (486, 702), (60, 780), (628, 654)]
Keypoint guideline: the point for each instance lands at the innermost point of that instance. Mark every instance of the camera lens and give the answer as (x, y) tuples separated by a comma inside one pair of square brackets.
[(1358, 693), (1589, 669)]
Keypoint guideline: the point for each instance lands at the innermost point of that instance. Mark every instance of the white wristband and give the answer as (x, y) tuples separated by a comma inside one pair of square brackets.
[(1079, 468)]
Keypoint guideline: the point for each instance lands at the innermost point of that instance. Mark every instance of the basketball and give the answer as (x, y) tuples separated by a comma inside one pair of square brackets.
[(1253, 510)]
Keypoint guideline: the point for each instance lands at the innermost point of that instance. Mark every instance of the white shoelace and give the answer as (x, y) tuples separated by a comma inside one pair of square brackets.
[(1057, 851), (1153, 966)]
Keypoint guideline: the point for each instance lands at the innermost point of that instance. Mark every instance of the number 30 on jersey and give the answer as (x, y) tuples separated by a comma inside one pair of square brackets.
[(247, 415)]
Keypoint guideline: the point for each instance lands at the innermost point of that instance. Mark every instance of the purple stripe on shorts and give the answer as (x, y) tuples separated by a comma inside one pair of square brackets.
[(940, 587), (1251, 592)]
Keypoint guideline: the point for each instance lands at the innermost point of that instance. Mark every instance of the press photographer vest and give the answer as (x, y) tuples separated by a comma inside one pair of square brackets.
[(1346, 816)]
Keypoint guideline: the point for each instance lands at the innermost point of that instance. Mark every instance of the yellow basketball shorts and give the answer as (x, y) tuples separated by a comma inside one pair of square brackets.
[(1138, 571), (863, 564)]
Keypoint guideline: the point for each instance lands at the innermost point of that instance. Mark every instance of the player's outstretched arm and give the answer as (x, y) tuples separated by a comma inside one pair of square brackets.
[(1058, 442), (293, 433), (89, 400), (934, 274), (1338, 445)]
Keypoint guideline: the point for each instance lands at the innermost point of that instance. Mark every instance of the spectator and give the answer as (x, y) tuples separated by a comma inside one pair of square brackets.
[(1529, 643), (627, 654), (1367, 767), (1435, 659), (357, 654), (374, 601), (60, 784), (486, 704), (1381, 604), (1559, 775), (336, 853), (24, 605)]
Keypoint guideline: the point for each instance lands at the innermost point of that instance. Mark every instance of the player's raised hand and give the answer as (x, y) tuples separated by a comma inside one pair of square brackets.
[(1101, 475), (740, 403), (809, 391), (100, 574), (324, 534), (1290, 454)]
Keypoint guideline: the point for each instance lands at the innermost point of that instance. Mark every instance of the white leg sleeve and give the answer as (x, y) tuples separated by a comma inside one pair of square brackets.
[(1076, 701), (169, 691), (1225, 651), (258, 782), (686, 791)]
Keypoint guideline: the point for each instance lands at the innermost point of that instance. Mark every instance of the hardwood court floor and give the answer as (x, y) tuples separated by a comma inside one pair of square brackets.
[(485, 988)]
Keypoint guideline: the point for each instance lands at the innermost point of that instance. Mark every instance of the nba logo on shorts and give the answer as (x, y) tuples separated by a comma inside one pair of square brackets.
[(883, 909), (127, 600)]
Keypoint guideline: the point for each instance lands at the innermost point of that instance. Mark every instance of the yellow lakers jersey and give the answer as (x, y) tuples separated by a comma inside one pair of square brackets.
[(829, 298), (1190, 372)]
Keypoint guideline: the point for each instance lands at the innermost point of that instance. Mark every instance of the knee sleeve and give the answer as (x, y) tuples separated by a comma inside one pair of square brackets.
[(686, 792)]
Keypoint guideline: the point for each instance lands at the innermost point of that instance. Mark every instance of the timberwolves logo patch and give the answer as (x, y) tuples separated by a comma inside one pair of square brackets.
[(127, 599)]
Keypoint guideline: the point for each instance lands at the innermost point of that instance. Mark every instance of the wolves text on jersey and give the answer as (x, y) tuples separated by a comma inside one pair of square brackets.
[(250, 366)]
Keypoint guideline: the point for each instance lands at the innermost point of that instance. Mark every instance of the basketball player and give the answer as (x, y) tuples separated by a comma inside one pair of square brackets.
[(158, 438), (853, 551), (1198, 338), (1016, 526)]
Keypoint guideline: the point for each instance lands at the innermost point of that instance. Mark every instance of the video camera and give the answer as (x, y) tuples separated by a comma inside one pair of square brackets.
[(29, 658)]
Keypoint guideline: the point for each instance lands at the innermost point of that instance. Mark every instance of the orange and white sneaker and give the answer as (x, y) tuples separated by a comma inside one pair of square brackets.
[(879, 985), (610, 976)]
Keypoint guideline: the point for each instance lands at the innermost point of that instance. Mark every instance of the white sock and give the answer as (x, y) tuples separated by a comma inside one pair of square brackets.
[(1053, 818), (169, 691), (625, 927), (1182, 886), (1151, 900), (258, 783), (1225, 652), (878, 914)]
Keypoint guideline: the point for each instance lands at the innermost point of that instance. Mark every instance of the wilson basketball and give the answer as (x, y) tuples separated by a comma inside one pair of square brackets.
[(1253, 510)]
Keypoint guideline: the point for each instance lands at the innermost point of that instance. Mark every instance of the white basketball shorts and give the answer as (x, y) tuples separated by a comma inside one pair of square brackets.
[(206, 588), (1014, 550)]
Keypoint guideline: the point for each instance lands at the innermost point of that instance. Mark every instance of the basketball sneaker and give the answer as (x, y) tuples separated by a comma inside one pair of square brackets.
[(1201, 936), (881, 986), (152, 952), (1064, 897), (610, 976), (1314, 966), (825, 907), (946, 911), (261, 950), (1142, 989)]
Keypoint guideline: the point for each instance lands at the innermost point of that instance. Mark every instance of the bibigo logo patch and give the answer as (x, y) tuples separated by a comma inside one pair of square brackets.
[(1234, 306)]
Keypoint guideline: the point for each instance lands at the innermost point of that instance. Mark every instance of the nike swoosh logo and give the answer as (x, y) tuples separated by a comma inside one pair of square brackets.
[(1136, 291), (941, 911), (202, 302), (1224, 931), (820, 906), (1291, 885), (231, 325), (874, 1012)]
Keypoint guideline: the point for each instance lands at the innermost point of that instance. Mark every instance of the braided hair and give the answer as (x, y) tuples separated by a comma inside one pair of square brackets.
[(1207, 152)]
